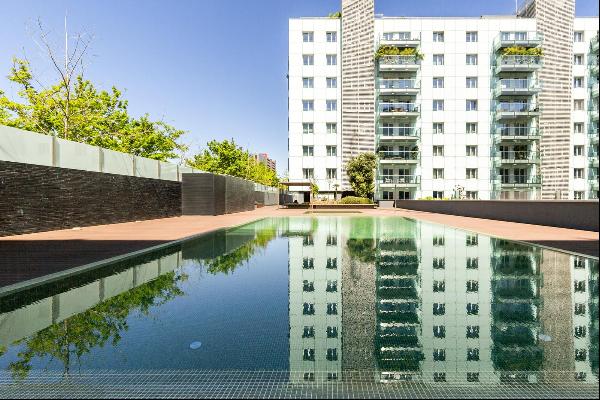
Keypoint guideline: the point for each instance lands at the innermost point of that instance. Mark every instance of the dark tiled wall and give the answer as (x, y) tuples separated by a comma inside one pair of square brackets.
[(210, 194), (36, 198)]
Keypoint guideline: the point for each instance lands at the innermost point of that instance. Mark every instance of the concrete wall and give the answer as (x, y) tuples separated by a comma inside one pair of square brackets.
[(36, 198), (211, 194), (565, 214)]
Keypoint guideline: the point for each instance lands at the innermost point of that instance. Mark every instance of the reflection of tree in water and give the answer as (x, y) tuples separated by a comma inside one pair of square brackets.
[(76, 336), (229, 262), (361, 244)]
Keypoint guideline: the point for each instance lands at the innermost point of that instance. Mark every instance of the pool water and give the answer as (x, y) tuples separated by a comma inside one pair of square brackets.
[(318, 299)]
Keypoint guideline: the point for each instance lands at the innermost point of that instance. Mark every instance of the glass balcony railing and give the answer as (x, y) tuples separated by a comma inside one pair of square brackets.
[(519, 181), (524, 39), (398, 108), (399, 179), (518, 62), (594, 44), (399, 155), (391, 132), (518, 156), (398, 84), (399, 62), (514, 85), (518, 132), (402, 39), (516, 107)]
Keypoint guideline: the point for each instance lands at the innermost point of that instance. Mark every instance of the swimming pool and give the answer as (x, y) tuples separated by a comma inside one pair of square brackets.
[(312, 306)]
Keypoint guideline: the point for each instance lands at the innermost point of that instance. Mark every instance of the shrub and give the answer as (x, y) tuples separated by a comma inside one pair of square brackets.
[(522, 51), (386, 50), (355, 200)]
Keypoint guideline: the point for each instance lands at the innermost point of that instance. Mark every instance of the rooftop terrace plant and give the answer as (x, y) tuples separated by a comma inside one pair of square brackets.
[(522, 51), (387, 50), (335, 15)]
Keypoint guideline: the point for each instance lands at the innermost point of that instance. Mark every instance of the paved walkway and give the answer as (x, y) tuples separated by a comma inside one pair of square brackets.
[(32, 255)]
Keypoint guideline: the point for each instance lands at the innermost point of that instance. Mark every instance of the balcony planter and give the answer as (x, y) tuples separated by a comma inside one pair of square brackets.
[(387, 50)]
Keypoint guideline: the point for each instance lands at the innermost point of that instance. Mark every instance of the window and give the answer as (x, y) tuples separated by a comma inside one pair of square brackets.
[(579, 308), (471, 36), (472, 263), (439, 309), (577, 195), (308, 151), (308, 127), (331, 59), (439, 377), (471, 151), (332, 332), (472, 240), (439, 262), (308, 83), (578, 263), (388, 195), (439, 331), (308, 173), (578, 59), (308, 59), (438, 194), (471, 127), (438, 173), (438, 127), (308, 263), (438, 105), (331, 173), (331, 37), (308, 37), (332, 309), (308, 309), (580, 331), (331, 263), (438, 59), (438, 151), (438, 36), (578, 36), (308, 286), (578, 127), (332, 355), (332, 376), (331, 240), (471, 59), (308, 355), (578, 82), (472, 286), (309, 376), (472, 354), (471, 82), (308, 105), (331, 150), (331, 127), (331, 83), (472, 195), (331, 105), (471, 173), (308, 240), (471, 105), (309, 331), (580, 354), (439, 355), (331, 286), (439, 241), (578, 150), (472, 309), (578, 173), (472, 332), (438, 82), (578, 105), (439, 286), (472, 376)]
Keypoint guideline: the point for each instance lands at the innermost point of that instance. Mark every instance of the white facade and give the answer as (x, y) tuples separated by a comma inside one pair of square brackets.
[(455, 163)]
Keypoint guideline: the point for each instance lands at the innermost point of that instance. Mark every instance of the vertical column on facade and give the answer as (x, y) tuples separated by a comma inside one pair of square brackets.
[(555, 21), (515, 122), (398, 90), (358, 105), (593, 119)]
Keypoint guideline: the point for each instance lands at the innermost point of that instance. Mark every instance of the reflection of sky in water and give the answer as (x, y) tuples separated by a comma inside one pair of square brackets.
[(321, 297)]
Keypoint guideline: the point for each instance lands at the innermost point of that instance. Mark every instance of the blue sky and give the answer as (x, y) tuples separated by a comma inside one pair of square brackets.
[(214, 68)]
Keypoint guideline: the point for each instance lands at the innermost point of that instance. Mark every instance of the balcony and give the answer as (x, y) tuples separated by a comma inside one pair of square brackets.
[(518, 63), (398, 133), (398, 86), (518, 157), (399, 180), (516, 109), (399, 39), (522, 39), (517, 133), (516, 87), (593, 109), (594, 89), (399, 156), (593, 64), (594, 44), (399, 63), (593, 156), (593, 135), (516, 182), (402, 109)]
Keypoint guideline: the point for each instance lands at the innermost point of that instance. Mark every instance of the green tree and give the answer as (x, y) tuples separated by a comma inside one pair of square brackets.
[(226, 157), (361, 174)]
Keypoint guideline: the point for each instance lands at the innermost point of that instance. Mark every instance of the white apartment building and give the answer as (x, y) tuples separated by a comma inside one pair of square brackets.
[(463, 116)]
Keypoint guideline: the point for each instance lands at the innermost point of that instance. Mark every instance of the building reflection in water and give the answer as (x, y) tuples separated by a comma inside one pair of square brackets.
[(403, 301)]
